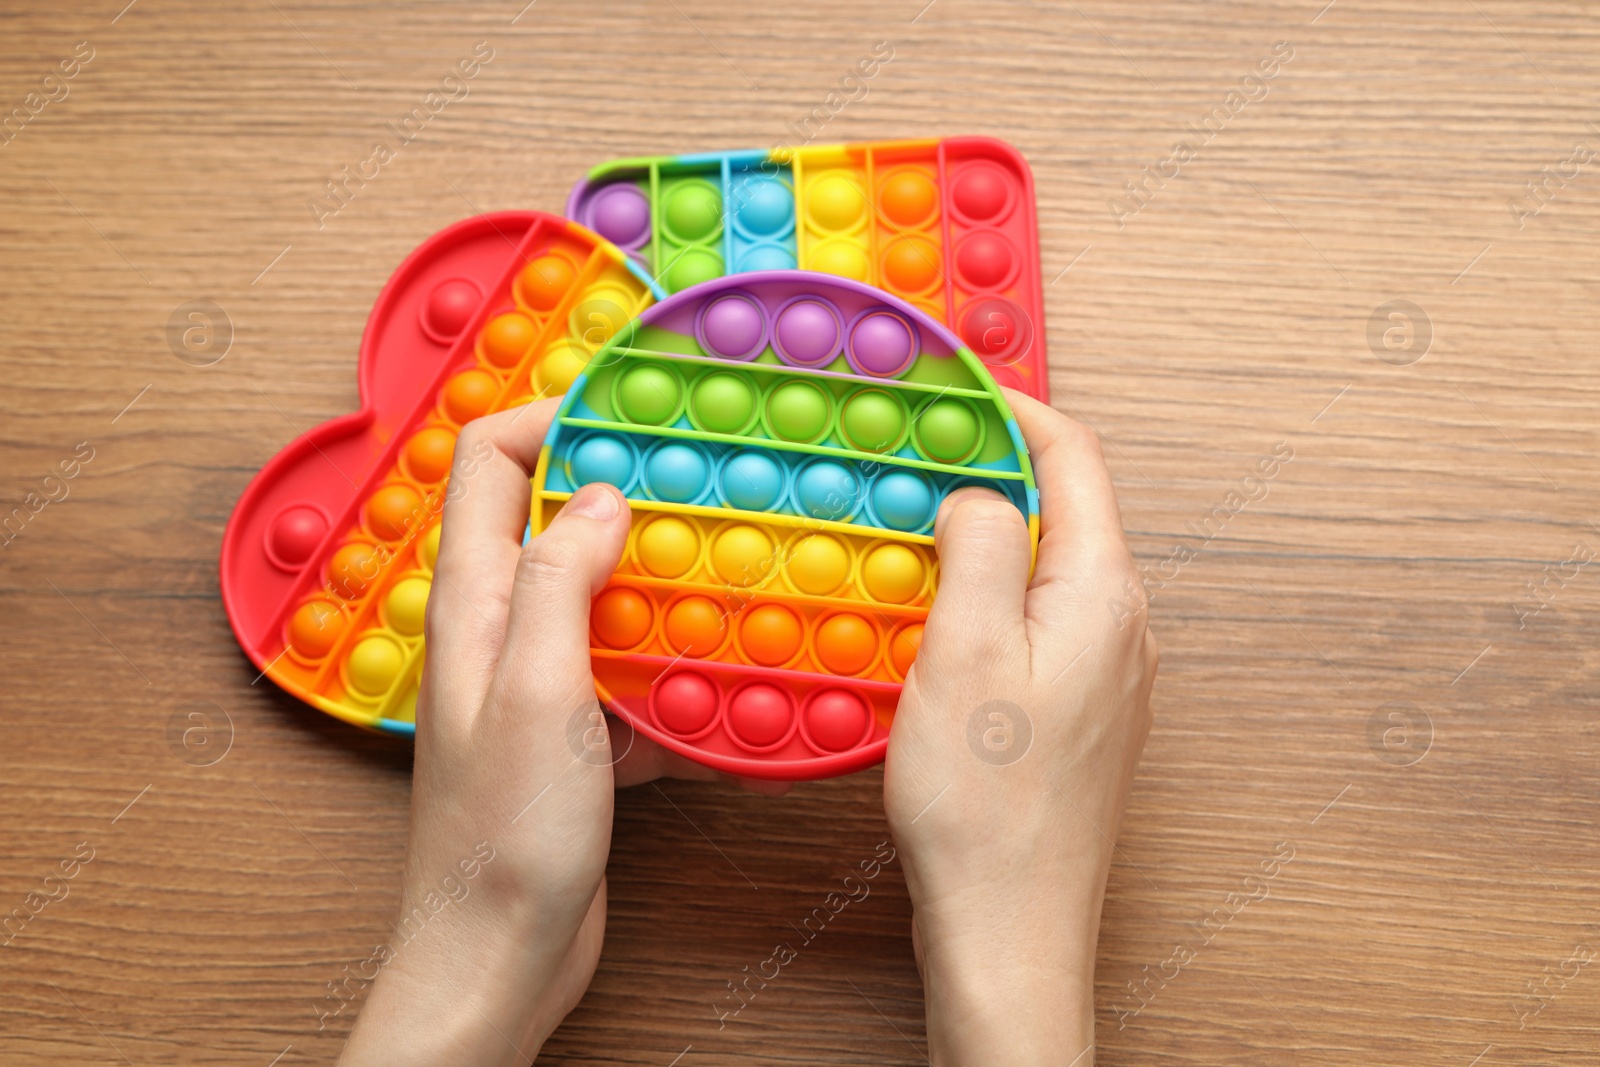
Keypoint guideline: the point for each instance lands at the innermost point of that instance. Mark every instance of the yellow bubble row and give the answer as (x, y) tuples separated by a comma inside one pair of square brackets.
[(746, 555)]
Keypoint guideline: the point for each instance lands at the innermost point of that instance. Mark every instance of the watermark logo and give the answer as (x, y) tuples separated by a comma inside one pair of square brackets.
[(200, 733), (1399, 332), (999, 732), (199, 332), (1400, 733), (590, 739)]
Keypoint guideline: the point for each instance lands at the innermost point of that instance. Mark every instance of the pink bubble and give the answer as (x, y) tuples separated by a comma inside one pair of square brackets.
[(882, 344), (621, 214)]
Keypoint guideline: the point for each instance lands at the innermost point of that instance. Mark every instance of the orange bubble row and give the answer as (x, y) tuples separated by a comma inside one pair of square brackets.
[(770, 634)]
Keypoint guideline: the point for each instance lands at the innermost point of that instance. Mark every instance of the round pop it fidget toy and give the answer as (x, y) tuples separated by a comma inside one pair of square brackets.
[(328, 557), (785, 439)]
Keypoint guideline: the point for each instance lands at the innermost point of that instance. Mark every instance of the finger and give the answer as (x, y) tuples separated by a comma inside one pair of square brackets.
[(643, 760), (544, 667), (984, 555), (485, 517), (1080, 523)]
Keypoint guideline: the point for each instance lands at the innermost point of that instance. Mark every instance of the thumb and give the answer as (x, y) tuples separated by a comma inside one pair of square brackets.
[(546, 653), (984, 558)]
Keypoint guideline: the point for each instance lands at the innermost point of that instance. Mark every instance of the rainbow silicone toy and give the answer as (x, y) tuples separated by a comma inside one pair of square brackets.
[(785, 438), (894, 214), (328, 556)]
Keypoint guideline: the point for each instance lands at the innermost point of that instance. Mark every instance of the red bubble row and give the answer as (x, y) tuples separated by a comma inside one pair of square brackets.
[(757, 716)]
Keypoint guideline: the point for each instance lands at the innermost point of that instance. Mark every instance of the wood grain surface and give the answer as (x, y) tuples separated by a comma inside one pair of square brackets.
[(1381, 661)]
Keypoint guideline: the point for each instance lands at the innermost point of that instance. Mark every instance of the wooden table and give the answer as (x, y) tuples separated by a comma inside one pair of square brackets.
[(1382, 660)]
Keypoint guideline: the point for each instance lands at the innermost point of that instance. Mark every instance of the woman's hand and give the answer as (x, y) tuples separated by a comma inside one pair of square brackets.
[(1012, 753), (503, 903)]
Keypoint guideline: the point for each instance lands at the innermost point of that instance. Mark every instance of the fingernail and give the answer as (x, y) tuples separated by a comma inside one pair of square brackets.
[(593, 501)]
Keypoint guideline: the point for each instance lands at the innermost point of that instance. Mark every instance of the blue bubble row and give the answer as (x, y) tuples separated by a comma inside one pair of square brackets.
[(711, 474)]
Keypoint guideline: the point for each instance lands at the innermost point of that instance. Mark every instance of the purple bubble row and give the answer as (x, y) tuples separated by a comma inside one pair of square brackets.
[(810, 331)]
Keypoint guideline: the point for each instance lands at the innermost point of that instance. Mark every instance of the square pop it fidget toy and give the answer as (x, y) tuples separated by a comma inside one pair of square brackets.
[(328, 556), (784, 438), (947, 225)]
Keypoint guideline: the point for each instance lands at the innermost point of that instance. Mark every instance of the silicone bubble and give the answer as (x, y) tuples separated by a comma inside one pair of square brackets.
[(763, 205), (982, 192), (374, 664), (903, 646), (770, 635), (295, 534), (818, 564), (911, 264), (450, 307), (544, 281), (723, 403), (751, 481), (695, 626), (799, 411), (873, 421), (406, 605), (602, 457), (469, 395), (825, 489), (559, 367), (598, 314), (668, 547), (846, 644), (761, 715), (908, 197), (621, 213), (694, 266), (676, 472), (693, 211), (315, 628), (733, 326), (650, 394), (766, 257), (742, 555), (621, 617), (843, 257), (985, 260), (808, 332), (948, 430), (393, 511), (903, 500), (835, 202), (428, 549), (352, 567), (882, 344), (893, 574), (835, 720), (685, 703), (507, 338), (428, 454), (997, 330)]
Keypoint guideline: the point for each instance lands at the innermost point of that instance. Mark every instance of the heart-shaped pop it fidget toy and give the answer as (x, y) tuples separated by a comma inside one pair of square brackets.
[(784, 438), (328, 556), (948, 225)]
